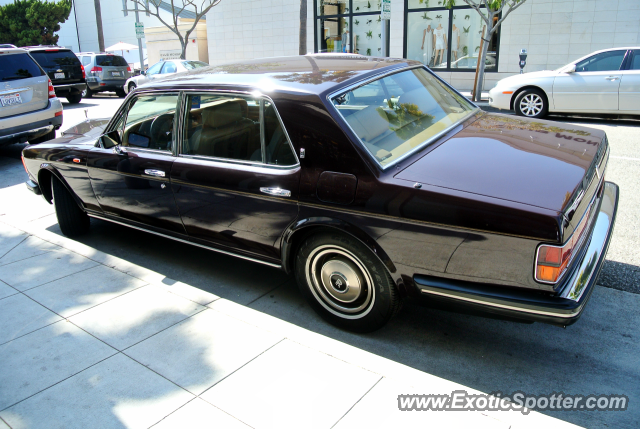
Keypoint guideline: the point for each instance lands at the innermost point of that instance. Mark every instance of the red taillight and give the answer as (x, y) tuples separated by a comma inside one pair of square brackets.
[(58, 113), (129, 69), (52, 92), (23, 164), (84, 75), (552, 261), (96, 70), (51, 50)]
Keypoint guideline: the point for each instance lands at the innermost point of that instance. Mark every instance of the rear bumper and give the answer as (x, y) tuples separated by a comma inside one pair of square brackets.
[(29, 126), (563, 309), (33, 187), (69, 89), (107, 85)]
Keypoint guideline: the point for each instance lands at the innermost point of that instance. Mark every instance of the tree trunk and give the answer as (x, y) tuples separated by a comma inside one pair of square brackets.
[(302, 50), (482, 57), (184, 42), (96, 3)]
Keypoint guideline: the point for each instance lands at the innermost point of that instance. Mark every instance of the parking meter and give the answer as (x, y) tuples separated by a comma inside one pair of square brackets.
[(523, 60)]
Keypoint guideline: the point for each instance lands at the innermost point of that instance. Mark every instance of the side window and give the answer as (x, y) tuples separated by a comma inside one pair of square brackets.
[(149, 122), (86, 60), (169, 68), (277, 148), (635, 62), (154, 69), (221, 126), (605, 61)]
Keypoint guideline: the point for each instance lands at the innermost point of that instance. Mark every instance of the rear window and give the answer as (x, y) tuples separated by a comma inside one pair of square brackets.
[(111, 60), (18, 66), (190, 65), (55, 58)]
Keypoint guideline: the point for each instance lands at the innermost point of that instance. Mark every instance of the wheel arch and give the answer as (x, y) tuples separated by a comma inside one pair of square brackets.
[(520, 90), (45, 176), (301, 229)]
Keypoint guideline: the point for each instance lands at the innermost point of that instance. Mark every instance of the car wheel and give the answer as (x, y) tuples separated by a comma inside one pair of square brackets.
[(49, 136), (345, 282), (87, 93), (72, 219), (74, 99), (531, 103), (120, 93), (132, 86)]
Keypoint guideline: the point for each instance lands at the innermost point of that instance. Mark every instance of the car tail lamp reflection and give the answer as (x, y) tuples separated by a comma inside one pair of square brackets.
[(52, 91), (96, 70), (552, 261)]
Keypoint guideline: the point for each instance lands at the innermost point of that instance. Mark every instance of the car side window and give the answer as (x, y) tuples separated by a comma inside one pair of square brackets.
[(169, 68), (154, 69), (635, 61), (149, 122), (86, 60), (604, 61), (277, 148)]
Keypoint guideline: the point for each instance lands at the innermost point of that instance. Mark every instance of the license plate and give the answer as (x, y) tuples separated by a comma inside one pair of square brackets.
[(115, 73), (11, 99), (58, 75)]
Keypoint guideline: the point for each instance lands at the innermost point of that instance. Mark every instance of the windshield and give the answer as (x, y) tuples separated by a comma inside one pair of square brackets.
[(55, 58), (398, 113), (18, 66), (111, 60)]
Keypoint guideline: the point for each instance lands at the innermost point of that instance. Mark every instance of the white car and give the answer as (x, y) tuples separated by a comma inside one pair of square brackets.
[(606, 81), (161, 70)]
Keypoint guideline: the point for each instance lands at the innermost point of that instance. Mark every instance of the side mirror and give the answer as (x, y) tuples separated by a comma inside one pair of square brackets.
[(571, 69), (143, 72), (110, 140)]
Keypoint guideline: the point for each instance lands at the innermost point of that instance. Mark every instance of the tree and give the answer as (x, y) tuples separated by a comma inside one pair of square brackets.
[(302, 50), (32, 22), (492, 9), (199, 7)]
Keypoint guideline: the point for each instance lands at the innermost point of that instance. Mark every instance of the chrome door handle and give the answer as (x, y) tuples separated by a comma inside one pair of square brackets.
[(612, 78), (120, 150), (276, 191), (156, 173)]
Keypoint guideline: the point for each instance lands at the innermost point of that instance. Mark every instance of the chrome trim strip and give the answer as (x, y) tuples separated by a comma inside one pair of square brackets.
[(276, 191), (270, 264), (239, 162), (152, 172)]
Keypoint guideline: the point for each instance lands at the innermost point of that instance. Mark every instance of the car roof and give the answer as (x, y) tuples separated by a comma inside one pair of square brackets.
[(45, 47), (6, 51), (312, 73)]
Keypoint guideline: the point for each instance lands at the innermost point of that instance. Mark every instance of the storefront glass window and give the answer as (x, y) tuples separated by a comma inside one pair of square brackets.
[(332, 7), (367, 35), (427, 38), (333, 35), (364, 6)]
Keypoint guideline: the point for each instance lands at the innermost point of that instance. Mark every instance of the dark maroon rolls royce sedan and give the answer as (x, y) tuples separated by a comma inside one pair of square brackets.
[(371, 180)]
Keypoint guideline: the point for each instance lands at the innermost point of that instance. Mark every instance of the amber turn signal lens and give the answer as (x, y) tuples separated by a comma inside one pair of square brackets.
[(548, 274), (507, 92)]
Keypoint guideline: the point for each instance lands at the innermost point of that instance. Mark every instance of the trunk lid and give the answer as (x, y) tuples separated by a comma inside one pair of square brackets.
[(23, 86), (114, 67), (534, 162)]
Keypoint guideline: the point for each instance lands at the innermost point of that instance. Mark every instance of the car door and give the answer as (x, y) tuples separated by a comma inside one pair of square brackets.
[(593, 87), (236, 178), (154, 71), (129, 171), (630, 85)]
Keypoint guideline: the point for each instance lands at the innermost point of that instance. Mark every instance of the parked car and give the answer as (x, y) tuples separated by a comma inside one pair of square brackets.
[(105, 72), (29, 108), (370, 179), (471, 61), (63, 68), (162, 69), (603, 82)]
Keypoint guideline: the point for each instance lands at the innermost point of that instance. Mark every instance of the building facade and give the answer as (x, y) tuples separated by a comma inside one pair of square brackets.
[(554, 32)]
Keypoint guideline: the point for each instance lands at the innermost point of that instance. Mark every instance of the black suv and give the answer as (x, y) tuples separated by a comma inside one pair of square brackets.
[(63, 68)]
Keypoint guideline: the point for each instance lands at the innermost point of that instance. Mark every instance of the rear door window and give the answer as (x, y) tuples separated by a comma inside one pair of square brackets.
[(86, 60), (18, 66), (111, 61), (605, 61), (49, 59), (169, 68)]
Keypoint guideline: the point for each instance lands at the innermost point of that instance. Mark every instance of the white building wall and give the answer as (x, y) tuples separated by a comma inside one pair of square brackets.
[(246, 29)]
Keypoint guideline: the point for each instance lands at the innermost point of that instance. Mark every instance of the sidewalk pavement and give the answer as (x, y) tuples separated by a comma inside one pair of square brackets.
[(90, 340)]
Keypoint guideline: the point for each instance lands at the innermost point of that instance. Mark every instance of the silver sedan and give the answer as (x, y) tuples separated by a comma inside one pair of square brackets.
[(161, 70)]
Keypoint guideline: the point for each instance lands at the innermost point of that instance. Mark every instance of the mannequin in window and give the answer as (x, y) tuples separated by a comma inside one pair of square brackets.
[(440, 41), (426, 56), (455, 41), (345, 42)]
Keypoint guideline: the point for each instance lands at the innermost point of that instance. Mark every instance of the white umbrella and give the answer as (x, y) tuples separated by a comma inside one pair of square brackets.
[(121, 46)]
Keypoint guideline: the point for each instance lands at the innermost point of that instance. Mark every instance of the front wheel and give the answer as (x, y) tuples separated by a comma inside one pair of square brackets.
[(345, 283), (87, 93), (132, 86), (72, 219), (120, 93), (531, 103), (74, 98)]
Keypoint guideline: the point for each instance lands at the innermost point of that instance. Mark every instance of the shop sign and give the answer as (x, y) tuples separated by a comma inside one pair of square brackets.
[(173, 54), (386, 9), (139, 30)]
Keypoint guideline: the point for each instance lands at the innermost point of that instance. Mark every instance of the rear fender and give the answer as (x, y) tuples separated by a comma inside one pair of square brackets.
[(45, 175)]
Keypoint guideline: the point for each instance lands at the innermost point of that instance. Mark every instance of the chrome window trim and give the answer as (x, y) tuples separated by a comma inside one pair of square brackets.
[(254, 94), (239, 162), (379, 76)]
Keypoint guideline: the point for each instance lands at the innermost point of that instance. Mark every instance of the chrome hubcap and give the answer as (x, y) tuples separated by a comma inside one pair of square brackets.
[(340, 282), (531, 104)]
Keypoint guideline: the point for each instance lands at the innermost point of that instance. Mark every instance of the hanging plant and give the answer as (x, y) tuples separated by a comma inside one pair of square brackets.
[(425, 16), (465, 30), (368, 5), (379, 35), (379, 18), (438, 16), (369, 34), (369, 21), (369, 51), (465, 51), (356, 22), (466, 17), (477, 48), (358, 8)]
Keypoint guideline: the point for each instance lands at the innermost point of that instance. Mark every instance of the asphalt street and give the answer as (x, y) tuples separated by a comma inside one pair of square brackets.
[(599, 354)]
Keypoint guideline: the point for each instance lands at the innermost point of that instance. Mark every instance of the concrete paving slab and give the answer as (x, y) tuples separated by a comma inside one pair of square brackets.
[(132, 317), (42, 269), (3, 425), (208, 346), (80, 291), (20, 315), (9, 238), (116, 393), (47, 356), (199, 414), (6, 290), (31, 246), (291, 386), (194, 294)]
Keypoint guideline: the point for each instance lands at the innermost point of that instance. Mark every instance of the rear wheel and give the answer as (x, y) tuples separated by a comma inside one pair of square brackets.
[(120, 93), (132, 86), (72, 219), (87, 93), (75, 98), (49, 136), (531, 103), (345, 282)]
